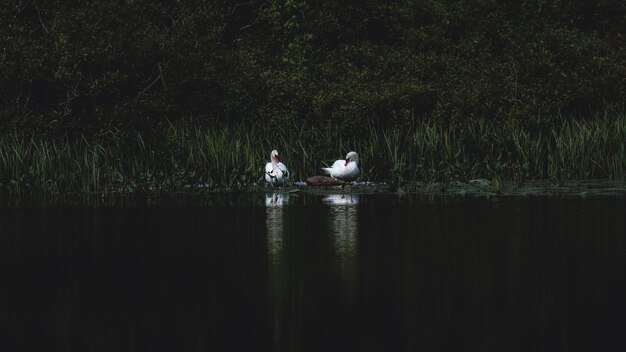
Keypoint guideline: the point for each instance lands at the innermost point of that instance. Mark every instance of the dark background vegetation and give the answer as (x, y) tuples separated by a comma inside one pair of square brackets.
[(85, 67)]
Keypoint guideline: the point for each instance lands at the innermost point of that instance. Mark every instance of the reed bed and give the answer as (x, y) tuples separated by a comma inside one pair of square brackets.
[(193, 157)]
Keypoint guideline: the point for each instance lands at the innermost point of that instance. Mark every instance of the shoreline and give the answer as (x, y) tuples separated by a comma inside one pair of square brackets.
[(455, 190), (232, 158)]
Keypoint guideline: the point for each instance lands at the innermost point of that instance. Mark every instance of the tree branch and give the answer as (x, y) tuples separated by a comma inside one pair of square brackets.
[(40, 21)]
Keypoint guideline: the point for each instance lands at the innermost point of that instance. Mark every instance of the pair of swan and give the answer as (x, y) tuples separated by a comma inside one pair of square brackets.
[(276, 173)]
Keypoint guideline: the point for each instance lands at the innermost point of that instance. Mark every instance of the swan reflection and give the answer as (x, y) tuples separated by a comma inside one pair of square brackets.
[(342, 199), (276, 267), (343, 221), (274, 211), (276, 199)]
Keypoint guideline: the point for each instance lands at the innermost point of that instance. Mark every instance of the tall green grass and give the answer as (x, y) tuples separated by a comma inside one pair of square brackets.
[(233, 158)]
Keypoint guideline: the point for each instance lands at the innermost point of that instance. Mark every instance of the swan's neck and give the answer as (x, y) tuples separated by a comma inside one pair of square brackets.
[(275, 167)]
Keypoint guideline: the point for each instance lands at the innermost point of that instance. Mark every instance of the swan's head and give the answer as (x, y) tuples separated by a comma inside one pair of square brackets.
[(274, 156), (352, 156)]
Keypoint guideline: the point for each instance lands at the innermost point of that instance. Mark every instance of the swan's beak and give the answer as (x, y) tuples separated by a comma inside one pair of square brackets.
[(277, 158), (346, 163)]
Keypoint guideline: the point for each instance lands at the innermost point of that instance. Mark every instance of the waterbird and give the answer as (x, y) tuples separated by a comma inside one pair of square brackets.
[(276, 173), (345, 170)]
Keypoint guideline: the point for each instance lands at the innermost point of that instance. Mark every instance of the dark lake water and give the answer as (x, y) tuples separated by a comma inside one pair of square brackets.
[(301, 272)]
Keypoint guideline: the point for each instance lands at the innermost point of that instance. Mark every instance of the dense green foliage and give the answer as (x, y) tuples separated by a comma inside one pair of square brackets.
[(71, 67), (114, 96), (195, 158)]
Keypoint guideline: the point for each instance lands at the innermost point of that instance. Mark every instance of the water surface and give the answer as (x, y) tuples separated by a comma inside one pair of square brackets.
[(301, 272)]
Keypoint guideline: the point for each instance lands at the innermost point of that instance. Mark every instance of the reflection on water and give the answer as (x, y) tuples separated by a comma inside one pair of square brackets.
[(343, 226), (302, 272), (274, 203), (276, 199), (274, 218), (342, 199)]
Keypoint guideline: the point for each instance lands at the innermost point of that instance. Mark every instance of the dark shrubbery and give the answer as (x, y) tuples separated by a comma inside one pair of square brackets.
[(70, 68)]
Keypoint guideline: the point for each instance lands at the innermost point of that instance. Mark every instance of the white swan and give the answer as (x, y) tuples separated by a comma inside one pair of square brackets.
[(345, 170), (276, 173)]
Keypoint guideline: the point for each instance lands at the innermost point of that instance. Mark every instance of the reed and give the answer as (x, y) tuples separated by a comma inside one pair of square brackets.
[(188, 156)]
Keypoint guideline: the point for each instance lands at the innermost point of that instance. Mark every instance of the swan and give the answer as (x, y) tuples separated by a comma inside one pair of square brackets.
[(345, 170), (276, 173)]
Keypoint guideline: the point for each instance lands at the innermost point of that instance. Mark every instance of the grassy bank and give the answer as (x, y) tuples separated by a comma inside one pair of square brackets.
[(233, 158)]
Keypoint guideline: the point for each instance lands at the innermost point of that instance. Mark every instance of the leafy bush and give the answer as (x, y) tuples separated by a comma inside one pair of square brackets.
[(71, 69)]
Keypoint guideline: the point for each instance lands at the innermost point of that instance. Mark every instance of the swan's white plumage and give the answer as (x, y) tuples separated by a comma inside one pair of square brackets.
[(276, 173), (345, 170)]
